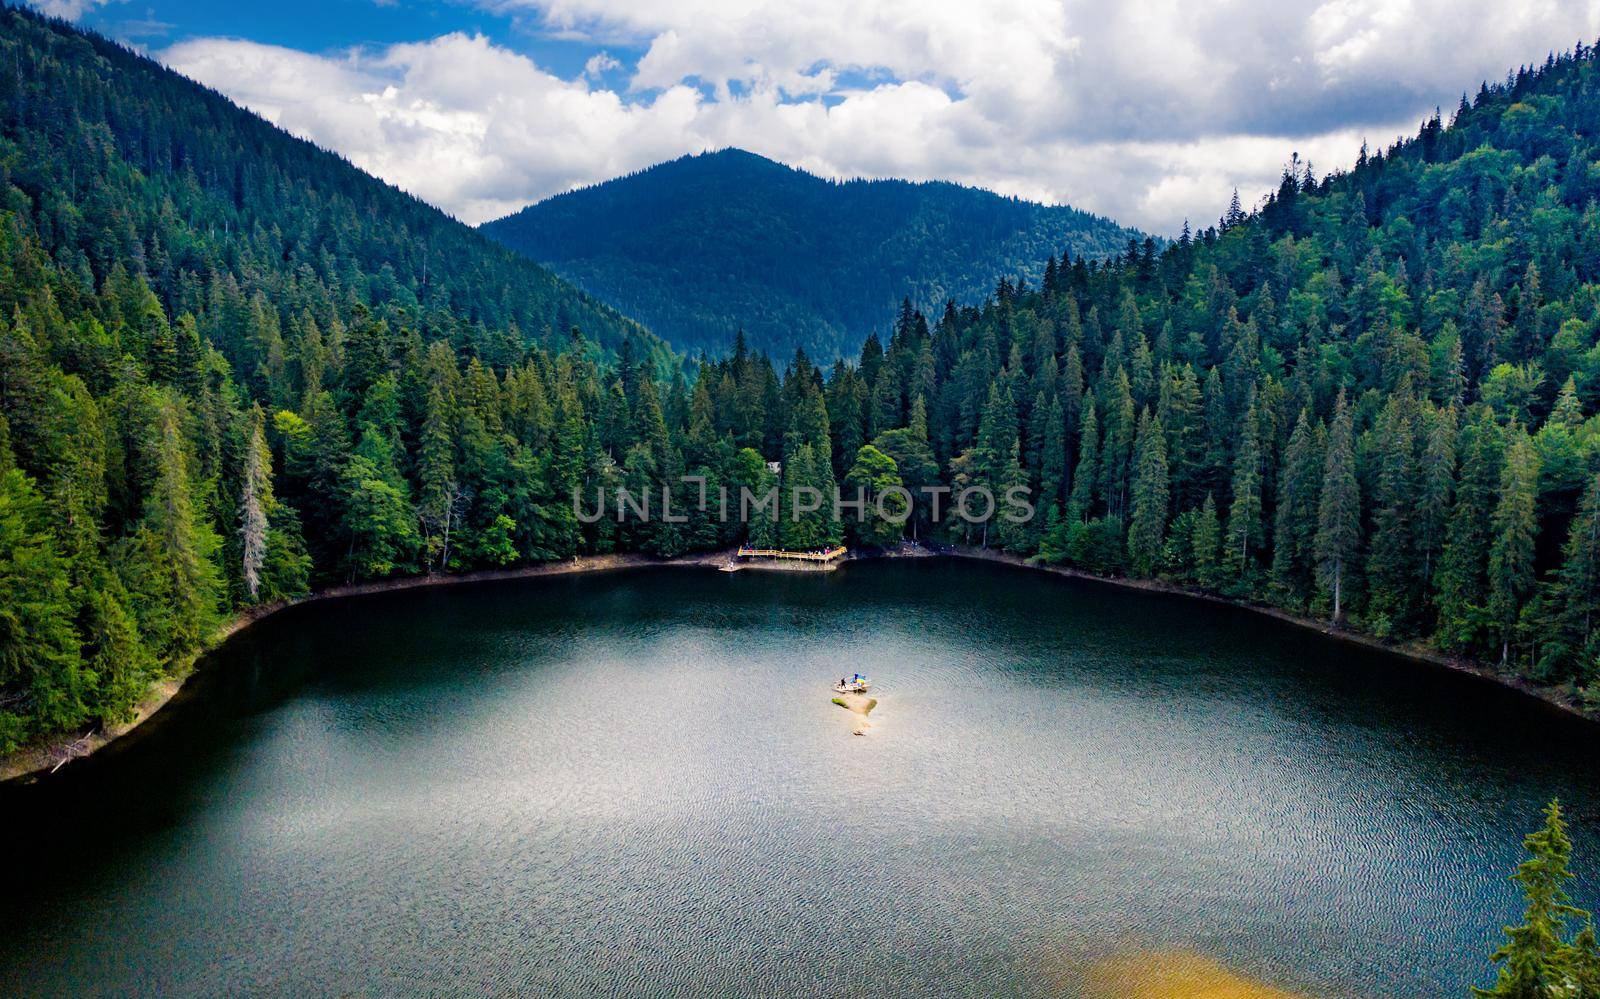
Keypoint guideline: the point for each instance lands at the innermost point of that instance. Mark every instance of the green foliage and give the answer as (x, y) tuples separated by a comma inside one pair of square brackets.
[(1150, 497), (40, 667), (1514, 527), (874, 480), (124, 164), (230, 375), (691, 248), (1338, 511), (1542, 957)]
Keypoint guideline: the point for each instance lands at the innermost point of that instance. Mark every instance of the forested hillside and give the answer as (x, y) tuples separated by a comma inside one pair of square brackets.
[(704, 246), (174, 273), (1373, 400), (112, 160)]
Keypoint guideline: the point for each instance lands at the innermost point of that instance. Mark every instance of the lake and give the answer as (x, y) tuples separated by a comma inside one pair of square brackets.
[(635, 782)]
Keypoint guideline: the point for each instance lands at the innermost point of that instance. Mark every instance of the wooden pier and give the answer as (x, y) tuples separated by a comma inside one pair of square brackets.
[(816, 556)]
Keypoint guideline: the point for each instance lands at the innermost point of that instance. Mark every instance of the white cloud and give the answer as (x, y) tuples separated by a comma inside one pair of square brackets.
[(599, 65), (1147, 110), (68, 10)]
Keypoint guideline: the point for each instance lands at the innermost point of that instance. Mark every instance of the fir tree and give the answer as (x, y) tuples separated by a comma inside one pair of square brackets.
[(39, 650), (1392, 582), (440, 498), (1147, 532), (1577, 588), (1538, 961), (1461, 578), (1245, 531), (255, 504), (1206, 543), (1514, 528), (1295, 521), (1086, 471), (1053, 456), (1338, 511)]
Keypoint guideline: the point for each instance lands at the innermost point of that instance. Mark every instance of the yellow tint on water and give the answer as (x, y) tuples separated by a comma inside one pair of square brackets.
[(1174, 974)]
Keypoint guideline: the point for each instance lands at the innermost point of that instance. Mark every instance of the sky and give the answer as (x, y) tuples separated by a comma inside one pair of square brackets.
[(1148, 111)]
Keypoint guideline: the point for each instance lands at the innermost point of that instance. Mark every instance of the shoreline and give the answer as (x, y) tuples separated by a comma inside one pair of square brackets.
[(40, 759), (33, 761), (1554, 698)]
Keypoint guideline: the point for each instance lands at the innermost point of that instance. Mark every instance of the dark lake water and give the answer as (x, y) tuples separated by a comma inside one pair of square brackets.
[(635, 783)]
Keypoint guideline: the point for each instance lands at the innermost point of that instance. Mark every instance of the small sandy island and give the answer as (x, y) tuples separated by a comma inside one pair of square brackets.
[(861, 704)]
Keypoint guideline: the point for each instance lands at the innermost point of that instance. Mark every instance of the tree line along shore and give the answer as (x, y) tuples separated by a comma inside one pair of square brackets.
[(1369, 401)]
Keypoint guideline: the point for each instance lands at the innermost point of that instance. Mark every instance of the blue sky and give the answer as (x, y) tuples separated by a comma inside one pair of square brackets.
[(331, 25), (1149, 111)]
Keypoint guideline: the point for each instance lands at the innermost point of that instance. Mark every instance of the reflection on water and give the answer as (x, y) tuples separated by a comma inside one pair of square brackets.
[(637, 782)]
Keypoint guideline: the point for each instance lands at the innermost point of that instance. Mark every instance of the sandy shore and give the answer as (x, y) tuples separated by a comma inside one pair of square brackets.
[(860, 704)]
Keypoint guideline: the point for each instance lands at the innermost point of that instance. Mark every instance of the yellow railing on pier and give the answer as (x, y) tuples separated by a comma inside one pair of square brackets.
[(816, 556)]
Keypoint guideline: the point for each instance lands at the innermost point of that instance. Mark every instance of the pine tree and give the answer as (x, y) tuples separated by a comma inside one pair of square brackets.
[(1010, 480), (1514, 528), (1206, 542), (255, 503), (1537, 960), (1087, 469), (1116, 453), (1437, 476), (114, 654), (1053, 456), (179, 546), (1179, 411), (1392, 581), (1577, 588), (1295, 521), (39, 650), (1245, 533), (1461, 579), (1338, 511), (440, 498), (1147, 532)]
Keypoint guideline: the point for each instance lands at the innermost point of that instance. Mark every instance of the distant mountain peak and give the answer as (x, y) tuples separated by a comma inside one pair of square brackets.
[(709, 243)]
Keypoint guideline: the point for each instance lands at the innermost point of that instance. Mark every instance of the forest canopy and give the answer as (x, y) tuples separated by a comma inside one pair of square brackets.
[(704, 246), (231, 372)]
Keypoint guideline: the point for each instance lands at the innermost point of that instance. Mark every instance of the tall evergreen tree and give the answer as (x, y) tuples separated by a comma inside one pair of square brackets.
[(1206, 545), (1576, 595), (1246, 535), (1538, 961), (1295, 520), (1515, 529), (1392, 581), (1147, 532), (255, 504), (1338, 511), (1086, 472)]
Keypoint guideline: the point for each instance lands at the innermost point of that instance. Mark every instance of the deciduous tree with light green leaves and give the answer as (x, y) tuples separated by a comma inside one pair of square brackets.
[(873, 481)]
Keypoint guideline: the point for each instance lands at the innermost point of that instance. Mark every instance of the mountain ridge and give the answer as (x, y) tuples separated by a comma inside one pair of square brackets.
[(707, 244), (258, 199)]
